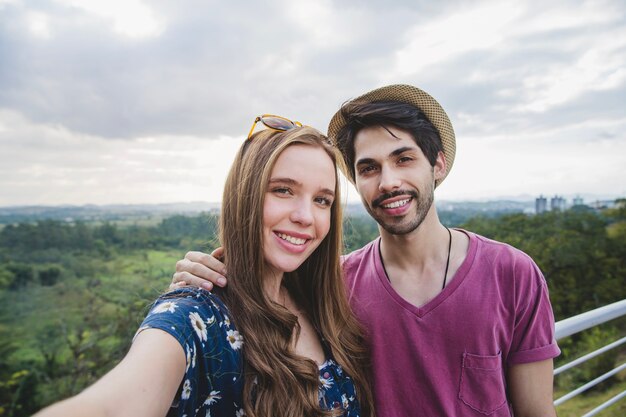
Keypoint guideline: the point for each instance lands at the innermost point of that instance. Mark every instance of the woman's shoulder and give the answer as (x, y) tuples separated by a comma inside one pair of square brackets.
[(189, 299), (190, 313), (200, 321)]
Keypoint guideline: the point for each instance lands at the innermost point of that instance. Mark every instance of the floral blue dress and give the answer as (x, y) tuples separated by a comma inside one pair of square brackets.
[(213, 380)]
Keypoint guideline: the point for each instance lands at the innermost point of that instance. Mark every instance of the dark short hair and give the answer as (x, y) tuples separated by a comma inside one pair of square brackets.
[(359, 115)]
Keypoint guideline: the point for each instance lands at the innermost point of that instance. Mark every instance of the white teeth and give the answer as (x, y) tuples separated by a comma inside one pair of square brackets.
[(397, 203), (291, 239)]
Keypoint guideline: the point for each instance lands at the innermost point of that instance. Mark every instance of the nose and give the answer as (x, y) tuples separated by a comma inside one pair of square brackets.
[(302, 212), (389, 180)]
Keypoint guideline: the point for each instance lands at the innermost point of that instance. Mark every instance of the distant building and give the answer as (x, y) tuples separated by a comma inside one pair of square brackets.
[(541, 205), (557, 203), (578, 201), (604, 204)]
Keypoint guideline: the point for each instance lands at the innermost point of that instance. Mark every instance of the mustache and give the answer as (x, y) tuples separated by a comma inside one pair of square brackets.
[(378, 200)]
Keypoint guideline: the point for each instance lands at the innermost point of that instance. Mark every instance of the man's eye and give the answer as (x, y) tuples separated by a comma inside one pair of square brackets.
[(366, 169)]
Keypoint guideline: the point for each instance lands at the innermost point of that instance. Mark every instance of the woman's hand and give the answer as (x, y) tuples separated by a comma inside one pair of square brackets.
[(201, 270)]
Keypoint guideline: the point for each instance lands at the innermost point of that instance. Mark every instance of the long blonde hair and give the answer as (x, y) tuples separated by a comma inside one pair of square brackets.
[(277, 381)]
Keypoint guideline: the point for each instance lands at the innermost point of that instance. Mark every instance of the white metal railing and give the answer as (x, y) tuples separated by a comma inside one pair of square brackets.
[(573, 325)]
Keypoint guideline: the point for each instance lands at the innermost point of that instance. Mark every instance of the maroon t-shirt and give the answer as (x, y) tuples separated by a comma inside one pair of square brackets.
[(449, 356)]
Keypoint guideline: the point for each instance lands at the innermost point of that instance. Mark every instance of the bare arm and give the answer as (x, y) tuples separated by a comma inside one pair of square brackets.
[(201, 270), (530, 388), (143, 384)]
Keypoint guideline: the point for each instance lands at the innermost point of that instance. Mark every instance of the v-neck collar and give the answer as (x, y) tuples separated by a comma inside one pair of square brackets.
[(459, 277)]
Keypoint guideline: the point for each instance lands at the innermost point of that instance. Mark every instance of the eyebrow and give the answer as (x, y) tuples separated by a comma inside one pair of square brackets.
[(365, 161), (402, 150), (396, 152), (285, 180), (291, 181)]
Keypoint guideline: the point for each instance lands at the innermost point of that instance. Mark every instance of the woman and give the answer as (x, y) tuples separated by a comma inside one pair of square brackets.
[(281, 339)]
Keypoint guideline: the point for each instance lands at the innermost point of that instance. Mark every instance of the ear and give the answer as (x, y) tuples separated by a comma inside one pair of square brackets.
[(440, 166)]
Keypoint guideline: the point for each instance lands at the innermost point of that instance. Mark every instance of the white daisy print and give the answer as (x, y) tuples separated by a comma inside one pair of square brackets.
[(210, 320), (339, 370), (235, 339), (226, 321), (186, 392), (212, 398), (166, 306), (191, 357), (240, 413), (198, 326), (344, 401), (188, 357), (326, 382)]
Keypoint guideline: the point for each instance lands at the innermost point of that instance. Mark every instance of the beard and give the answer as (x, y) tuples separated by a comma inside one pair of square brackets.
[(407, 223)]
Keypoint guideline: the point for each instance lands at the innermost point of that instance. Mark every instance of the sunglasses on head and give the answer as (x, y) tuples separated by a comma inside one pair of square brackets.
[(274, 122)]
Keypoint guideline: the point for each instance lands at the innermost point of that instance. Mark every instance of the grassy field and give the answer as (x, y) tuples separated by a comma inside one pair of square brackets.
[(586, 402), (76, 330), (65, 336)]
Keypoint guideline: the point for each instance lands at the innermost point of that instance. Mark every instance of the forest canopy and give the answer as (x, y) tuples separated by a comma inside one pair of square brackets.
[(73, 293)]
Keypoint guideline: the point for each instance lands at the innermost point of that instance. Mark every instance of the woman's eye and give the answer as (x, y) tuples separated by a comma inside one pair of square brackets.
[(326, 202), (281, 190)]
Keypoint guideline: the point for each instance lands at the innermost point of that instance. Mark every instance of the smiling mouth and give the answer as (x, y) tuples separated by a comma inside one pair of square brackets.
[(396, 204), (291, 239)]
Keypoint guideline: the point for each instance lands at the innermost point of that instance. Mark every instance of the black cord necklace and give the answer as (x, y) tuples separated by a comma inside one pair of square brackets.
[(445, 274)]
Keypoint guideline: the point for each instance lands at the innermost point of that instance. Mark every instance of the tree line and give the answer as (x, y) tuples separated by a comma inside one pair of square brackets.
[(72, 294)]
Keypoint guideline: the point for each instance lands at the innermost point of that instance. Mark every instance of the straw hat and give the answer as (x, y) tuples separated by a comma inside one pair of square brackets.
[(416, 97)]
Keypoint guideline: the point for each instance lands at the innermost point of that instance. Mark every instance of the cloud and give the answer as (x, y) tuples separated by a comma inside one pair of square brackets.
[(483, 26), (519, 168), (47, 164), (200, 74), (105, 94), (507, 59), (132, 18)]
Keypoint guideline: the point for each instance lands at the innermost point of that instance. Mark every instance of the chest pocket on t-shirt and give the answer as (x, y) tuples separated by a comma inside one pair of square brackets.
[(482, 382)]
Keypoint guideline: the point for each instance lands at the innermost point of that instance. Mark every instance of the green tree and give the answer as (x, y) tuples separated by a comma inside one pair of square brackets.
[(50, 275), (23, 275)]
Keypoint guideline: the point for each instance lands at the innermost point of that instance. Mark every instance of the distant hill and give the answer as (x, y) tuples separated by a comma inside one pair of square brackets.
[(141, 212), (451, 212), (90, 213)]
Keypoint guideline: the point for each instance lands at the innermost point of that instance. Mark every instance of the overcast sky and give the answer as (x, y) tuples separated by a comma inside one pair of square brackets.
[(130, 101)]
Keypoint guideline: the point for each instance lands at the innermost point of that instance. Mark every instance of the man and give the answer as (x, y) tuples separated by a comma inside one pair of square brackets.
[(458, 325)]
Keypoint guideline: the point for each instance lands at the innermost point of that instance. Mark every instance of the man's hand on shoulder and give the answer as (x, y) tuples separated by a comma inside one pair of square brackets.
[(201, 270)]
